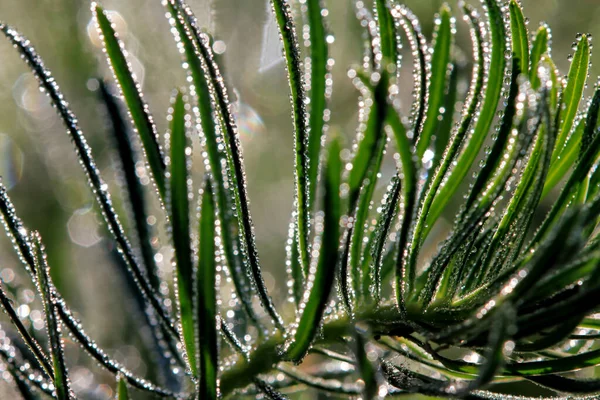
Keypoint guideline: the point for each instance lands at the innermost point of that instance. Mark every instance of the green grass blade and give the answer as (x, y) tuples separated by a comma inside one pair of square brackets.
[(17, 233), (409, 174), (237, 175), (494, 158), (568, 275), (515, 284), (494, 353), (301, 131), (419, 49), (405, 150), (135, 191), (130, 88), (564, 364), (579, 174), (440, 62), (387, 32), (318, 92), (366, 151), (84, 154), (99, 355), (530, 183), (520, 35), (122, 393), (207, 297), (367, 369), (444, 130), (201, 85), (31, 343), (179, 214), (317, 297), (469, 109), (491, 98), (540, 47), (406, 266), (573, 92), (360, 204), (233, 154), (376, 244), (567, 158), (53, 328)]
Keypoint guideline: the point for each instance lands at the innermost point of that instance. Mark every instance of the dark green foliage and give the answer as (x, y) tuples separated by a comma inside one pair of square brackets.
[(502, 298)]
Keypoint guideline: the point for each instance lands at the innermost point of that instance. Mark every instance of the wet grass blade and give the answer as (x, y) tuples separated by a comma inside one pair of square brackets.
[(530, 184), (538, 49), (567, 158), (387, 32), (567, 385), (318, 93), (577, 143), (135, 190), (17, 233), (207, 297), (289, 39), (581, 170), (179, 212), (324, 385), (130, 88), (98, 354), (409, 171), (367, 147), (444, 130), (201, 85), (408, 21), (317, 297), (367, 368), (491, 99), (237, 176), (53, 328), (406, 266), (122, 393), (494, 158), (578, 74), (31, 343), (440, 63), (24, 385), (360, 206), (520, 35), (469, 109), (376, 244), (84, 154), (269, 391)]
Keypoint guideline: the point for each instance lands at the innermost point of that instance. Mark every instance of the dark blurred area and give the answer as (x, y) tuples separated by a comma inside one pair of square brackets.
[(48, 187)]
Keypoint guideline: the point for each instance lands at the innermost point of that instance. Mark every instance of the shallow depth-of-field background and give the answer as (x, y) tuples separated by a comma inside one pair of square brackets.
[(47, 185)]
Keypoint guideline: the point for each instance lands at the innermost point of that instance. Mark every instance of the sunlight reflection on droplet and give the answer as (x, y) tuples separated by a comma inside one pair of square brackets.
[(28, 96), (11, 161), (250, 124), (83, 228), (104, 391), (81, 378), (23, 311), (219, 47)]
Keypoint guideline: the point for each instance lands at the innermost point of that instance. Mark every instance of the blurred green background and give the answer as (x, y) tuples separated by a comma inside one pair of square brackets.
[(38, 165)]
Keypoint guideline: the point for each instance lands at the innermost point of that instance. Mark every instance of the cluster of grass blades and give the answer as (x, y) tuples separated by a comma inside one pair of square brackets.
[(502, 299)]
